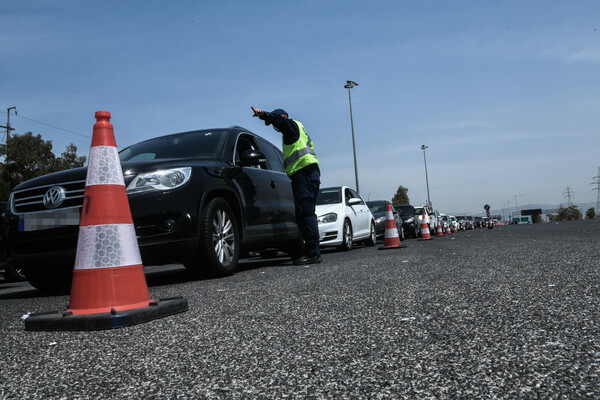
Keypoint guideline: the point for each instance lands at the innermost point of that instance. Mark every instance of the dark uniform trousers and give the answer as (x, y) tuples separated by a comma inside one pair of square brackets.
[(305, 186)]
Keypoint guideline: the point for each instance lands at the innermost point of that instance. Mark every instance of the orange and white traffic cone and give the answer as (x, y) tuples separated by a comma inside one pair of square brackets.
[(438, 231), (448, 230), (425, 234), (391, 239), (109, 287)]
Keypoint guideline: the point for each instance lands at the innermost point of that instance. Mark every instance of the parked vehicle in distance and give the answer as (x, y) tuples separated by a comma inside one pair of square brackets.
[(453, 223), (344, 218), (410, 223), (200, 198), (422, 210), (379, 210)]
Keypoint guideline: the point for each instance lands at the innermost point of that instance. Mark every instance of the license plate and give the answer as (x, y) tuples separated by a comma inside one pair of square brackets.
[(49, 220)]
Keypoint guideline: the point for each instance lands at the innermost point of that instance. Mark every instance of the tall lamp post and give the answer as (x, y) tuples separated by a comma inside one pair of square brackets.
[(423, 147), (8, 128), (349, 85)]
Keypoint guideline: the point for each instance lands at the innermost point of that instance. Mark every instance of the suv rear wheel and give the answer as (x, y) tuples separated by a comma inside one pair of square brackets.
[(219, 247)]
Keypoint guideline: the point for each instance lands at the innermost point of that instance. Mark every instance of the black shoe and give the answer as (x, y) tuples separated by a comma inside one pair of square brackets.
[(308, 260)]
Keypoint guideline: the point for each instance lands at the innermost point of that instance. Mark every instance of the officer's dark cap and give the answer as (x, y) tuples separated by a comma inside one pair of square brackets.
[(279, 111)]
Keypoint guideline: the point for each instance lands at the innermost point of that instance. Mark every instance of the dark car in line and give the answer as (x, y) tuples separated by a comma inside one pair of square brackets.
[(379, 210), (201, 198), (410, 224)]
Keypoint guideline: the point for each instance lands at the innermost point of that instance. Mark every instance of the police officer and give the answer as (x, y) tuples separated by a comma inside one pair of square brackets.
[(302, 166)]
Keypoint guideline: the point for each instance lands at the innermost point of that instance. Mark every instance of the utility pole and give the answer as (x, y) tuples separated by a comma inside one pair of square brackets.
[(349, 85), (568, 192), (8, 128), (517, 204), (597, 188)]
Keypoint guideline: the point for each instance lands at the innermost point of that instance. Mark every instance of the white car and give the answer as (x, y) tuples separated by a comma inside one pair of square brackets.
[(344, 218)]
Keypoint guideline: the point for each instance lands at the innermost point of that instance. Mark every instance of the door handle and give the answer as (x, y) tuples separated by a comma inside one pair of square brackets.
[(273, 184)]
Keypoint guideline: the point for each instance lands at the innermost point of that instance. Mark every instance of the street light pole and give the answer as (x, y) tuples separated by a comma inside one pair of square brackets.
[(423, 147), (349, 85)]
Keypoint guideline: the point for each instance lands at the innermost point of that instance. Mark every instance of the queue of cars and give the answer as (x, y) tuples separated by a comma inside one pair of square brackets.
[(202, 198)]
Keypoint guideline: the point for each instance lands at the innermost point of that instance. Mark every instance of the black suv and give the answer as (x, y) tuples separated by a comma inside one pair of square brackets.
[(200, 198), (409, 222)]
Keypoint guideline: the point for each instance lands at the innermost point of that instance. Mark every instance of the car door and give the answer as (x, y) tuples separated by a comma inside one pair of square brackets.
[(259, 193), (285, 217), (363, 216)]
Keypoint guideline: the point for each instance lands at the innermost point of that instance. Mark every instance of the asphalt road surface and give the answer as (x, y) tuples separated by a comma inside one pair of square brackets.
[(511, 312)]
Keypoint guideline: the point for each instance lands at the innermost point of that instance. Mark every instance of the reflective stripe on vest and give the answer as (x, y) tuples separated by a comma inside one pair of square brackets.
[(294, 152)]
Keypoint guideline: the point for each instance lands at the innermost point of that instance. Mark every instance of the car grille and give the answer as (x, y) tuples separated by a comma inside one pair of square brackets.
[(30, 200)]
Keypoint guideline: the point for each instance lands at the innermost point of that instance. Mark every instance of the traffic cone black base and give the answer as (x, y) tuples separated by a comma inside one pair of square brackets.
[(67, 321)]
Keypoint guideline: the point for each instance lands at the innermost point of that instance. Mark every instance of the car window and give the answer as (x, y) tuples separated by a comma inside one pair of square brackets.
[(271, 155), (377, 207), (329, 196), (247, 142), (419, 210), (200, 144)]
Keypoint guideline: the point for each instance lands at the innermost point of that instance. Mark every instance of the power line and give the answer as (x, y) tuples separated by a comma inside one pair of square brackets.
[(51, 126)]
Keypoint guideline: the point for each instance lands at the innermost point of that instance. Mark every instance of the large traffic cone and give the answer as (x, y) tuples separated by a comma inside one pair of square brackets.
[(425, 234), (438, 231), (109, 287), (391, 239)]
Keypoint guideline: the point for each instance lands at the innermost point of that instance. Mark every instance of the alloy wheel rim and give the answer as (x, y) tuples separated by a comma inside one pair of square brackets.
[(223, 237)]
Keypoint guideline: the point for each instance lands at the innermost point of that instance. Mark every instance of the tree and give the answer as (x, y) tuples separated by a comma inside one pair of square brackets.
[(590, 213), (30, 156), (401, 196), (571, 212)]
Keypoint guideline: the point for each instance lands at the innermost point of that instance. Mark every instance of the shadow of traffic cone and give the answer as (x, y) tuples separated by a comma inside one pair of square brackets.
[(109, 287), (391, 239), (438, 231), (425, 234)]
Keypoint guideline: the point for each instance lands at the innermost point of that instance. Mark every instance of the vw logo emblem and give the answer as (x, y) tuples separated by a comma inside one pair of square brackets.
[(54, 197)]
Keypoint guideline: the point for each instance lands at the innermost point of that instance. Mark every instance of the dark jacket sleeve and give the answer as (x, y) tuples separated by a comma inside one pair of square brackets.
[(288, 129)]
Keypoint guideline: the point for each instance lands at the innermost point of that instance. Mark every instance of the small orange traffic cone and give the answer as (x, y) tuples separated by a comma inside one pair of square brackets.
[(109, 287), (391, 239), (438, 231), (448, 230), (425, 234)]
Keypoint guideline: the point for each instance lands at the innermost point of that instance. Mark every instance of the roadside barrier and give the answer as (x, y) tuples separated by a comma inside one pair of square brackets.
[(109, 287), (438, 231), (391, 239), (425, 234)]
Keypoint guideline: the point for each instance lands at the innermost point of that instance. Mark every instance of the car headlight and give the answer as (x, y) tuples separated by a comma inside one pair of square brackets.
[(161, 180), (379, 220), (327, 218), (410, 220)]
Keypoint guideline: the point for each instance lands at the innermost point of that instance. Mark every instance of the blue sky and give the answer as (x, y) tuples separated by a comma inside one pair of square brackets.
[(504, 93)]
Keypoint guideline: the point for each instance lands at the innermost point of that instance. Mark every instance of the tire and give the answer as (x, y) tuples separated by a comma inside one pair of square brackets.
[(346, 237), (50, 279), (219, 247), (12, 274), (372, 236)]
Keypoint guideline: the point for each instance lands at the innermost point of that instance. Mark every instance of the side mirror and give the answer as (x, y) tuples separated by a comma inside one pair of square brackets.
[(251, 158), (354, 201)]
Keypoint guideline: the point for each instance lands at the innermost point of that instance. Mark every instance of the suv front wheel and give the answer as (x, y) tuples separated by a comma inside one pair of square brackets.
[(219, 248)]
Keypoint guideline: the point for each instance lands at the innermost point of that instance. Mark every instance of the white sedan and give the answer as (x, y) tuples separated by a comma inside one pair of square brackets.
[(344, 218)]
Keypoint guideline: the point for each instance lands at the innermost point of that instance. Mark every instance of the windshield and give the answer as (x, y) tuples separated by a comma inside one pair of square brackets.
[(419, 211), (200, 144), (377, 206), (404, 210), (329, 196)]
